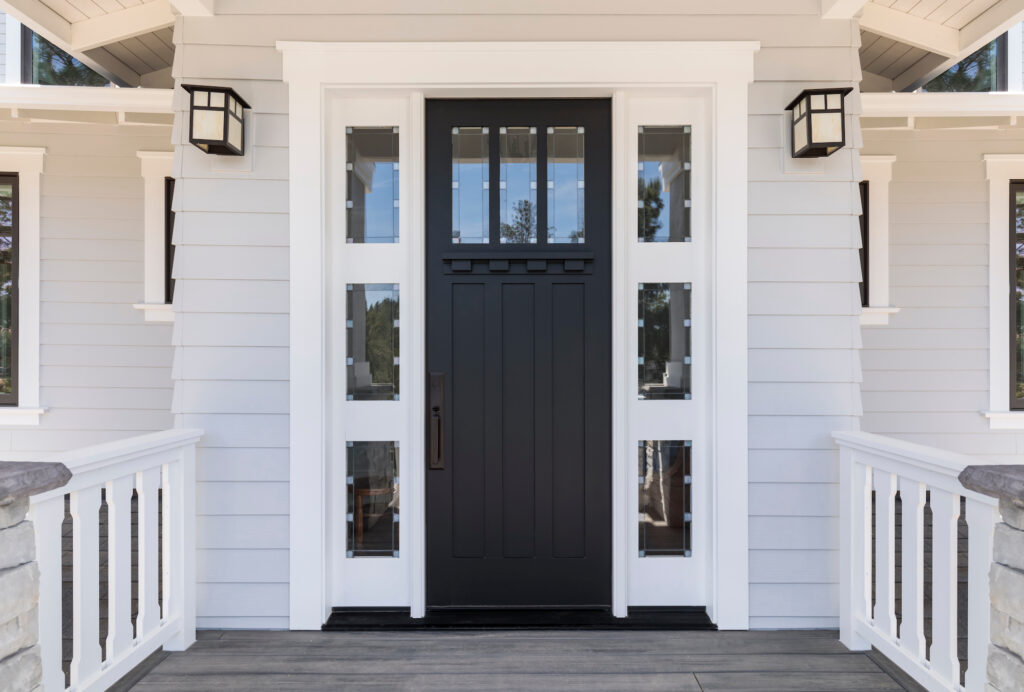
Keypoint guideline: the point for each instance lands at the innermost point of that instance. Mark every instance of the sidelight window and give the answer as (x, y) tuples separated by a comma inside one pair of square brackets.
[(664, 359), (666, 514), (8, 290), (371, 163), (372, 490), (372, 330), (663, 184), (1017, 299)]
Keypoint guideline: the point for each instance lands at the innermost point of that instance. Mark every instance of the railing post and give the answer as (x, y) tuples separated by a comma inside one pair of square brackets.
[(945, 512), (853, 547), (885, 552), (47, 517), (981, 521), (183, 578)]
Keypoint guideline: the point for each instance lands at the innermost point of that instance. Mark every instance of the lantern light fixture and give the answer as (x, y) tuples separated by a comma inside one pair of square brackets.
[(819, 122), (216, 119)]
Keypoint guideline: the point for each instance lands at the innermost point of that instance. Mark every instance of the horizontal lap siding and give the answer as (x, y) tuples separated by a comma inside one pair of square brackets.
[(926, 372), (105, 373), (232, 266)]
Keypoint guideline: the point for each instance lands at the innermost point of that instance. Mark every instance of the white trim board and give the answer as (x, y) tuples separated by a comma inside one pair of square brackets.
[(877, 171), (1000, 169), (27, 162), (718, 71), (155, 167)]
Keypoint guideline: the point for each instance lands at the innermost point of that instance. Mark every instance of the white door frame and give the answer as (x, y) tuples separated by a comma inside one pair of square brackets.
[(721, 71)]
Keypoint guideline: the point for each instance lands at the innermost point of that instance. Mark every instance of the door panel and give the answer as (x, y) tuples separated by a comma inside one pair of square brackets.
[(519, 323)]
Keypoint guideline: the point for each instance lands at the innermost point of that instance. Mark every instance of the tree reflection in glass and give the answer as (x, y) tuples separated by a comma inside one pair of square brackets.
[(372, 328), (663, 184)]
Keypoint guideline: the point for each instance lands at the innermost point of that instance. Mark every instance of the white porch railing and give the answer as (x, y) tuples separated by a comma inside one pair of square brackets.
[(886, 466), (161, 463)]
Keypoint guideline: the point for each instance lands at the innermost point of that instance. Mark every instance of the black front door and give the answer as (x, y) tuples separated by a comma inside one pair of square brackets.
[(519, 353)]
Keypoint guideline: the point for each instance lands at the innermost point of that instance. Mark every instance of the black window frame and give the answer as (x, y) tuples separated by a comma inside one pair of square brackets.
[(865, 243), (168, 240), (12, 178), (1016, 403)]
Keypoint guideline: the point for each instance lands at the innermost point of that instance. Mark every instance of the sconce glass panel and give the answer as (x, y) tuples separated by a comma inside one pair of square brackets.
[(664, 359), (372, 488), (518, 184), (566, 187), (470, 185), (666, 512), (372, 195), (663, 184), (372, 330)]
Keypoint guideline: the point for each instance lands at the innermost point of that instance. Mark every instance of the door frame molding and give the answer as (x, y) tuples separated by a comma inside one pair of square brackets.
[(722, 71)]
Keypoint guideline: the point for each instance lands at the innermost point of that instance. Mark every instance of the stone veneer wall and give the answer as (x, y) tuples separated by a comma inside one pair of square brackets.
[(1006, 577), (20, 664)]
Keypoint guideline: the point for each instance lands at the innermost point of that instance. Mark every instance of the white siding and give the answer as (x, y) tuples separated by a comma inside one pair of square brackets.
[(926, 372), (232, 233), (105, 374)]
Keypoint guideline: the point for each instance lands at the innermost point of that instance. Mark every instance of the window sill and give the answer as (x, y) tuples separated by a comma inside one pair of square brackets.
[(156, 312), (876, 315), (1005, 420), (14, 415)]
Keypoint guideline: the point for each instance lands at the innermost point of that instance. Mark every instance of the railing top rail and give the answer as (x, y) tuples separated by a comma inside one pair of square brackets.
[(921, 462), (88, 464)]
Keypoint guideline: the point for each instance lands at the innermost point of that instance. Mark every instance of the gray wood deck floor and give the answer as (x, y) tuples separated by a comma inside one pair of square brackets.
[(518, 660)]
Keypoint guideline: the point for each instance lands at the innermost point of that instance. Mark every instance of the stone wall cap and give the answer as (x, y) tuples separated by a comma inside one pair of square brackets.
[(20, 478), (1000, 481)]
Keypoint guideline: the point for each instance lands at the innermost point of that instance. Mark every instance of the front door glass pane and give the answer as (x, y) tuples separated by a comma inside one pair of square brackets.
[(518, 185), (470, 185), (372, 329), (663, 207), (372, 485), (665, 511), (565, 185), (664, 357), (371, 165)]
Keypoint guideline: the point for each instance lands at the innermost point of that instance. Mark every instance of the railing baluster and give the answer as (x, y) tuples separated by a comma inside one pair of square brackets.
[(945, 512), (47, 517), (85, 657), (885, 552), (149, 609), (854, 539), (912, 494), (167, 531), (119, 566), (981, 520)]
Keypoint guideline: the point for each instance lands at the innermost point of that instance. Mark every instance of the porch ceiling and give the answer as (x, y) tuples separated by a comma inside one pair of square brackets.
[(127, 41), (904, 43)]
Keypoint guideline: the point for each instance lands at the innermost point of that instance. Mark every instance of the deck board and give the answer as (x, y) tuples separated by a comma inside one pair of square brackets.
[(517, 660)]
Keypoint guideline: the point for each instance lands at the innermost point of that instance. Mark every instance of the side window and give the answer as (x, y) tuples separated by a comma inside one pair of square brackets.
[(44, 63), (865, 239), (1017, 296), (168, 240), (8, 290)]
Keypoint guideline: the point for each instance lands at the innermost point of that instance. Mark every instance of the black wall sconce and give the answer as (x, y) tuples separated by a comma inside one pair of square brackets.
[(819, 122), (216, 123)]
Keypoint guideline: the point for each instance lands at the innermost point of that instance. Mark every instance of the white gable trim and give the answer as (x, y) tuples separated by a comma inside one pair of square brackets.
[(1000, 169), (27, 162), (722, 70)]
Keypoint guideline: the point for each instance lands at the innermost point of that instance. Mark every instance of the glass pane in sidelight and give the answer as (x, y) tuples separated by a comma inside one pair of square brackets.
[(8, 290), (517, 148), (371, 163), (566, 193), (664, 357), (1018, 298), (666, 513), (470, 185), (372, 329), (372, 489), (663, 190)]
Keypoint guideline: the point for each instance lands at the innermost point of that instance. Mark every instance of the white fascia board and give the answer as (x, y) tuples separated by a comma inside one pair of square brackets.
[(841, 9), (194, 8), (69, 98), (950, 105), (989, 24), (118, 26), (913, 31)]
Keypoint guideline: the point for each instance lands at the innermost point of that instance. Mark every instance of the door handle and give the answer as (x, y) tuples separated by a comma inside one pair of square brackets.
[(435, 454)]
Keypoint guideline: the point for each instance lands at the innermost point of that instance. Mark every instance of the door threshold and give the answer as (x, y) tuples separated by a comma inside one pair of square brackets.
[(667, 618)]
